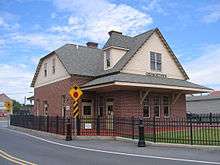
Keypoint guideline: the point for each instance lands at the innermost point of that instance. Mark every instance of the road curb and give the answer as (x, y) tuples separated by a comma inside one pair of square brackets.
[(148, 143), (135, 141)]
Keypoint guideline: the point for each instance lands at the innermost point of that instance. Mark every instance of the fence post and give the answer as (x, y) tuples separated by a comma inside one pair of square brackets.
[(48, 124), (141, 142), (154, 130), (64, 122), (98, 125), (78, 125), (191, 130), (68, 131), (57, 124), (38, 123), (132, 122), (210, 118)]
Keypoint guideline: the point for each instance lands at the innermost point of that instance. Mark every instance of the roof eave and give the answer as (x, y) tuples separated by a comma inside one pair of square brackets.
[(160, 86)]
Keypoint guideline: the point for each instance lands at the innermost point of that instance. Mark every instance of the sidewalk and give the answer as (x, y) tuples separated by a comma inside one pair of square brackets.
[(206, 154)]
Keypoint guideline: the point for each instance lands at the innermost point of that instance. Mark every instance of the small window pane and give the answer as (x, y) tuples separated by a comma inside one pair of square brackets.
[(157, 111), (158, 66), (156, 100), (152, 65), (165, 100), (152, 56), (158, 57), (146, 111), (166, 111), (146, 101), (87, 110), (108, 64)]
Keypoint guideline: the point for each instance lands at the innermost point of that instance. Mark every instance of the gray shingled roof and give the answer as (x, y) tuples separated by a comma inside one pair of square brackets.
[(134, 78), (87, 61), (131, 43), (200, 98), (83, 61)]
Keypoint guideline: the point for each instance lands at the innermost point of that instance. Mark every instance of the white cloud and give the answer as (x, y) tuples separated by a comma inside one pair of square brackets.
[(6, 22), (2, 22), (93, 19), (44, 41), (212, 14), (205, 69), (15, 81), (2, 42)]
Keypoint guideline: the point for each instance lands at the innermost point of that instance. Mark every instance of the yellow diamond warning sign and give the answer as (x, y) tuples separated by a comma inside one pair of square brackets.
[(75, 92), (8, 105)]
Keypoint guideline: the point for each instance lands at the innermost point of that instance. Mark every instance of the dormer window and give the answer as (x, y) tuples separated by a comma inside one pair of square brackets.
[(107, 57), (155, 61), (45, 70), (54, 66)]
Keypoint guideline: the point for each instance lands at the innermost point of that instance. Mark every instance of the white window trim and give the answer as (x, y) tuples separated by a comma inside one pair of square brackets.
[(107, 104), (169, 106), (155, 62)]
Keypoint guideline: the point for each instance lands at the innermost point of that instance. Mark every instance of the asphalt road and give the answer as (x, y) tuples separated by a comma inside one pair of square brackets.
[(36, 151)]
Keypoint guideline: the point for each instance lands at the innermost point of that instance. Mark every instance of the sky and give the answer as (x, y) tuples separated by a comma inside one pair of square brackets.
[(30, 29)]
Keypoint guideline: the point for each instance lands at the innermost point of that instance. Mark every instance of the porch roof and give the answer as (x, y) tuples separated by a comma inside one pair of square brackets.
[(126, 79)]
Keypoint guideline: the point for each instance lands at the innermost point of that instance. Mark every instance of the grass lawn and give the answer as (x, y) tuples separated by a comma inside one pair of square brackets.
[(201, 136)]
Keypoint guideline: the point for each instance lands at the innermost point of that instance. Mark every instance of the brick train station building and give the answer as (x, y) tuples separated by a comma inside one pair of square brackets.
[(136, 76)]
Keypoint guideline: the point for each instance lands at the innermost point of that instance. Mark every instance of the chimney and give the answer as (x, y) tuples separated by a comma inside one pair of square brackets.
[(114, 32), (92, 44)]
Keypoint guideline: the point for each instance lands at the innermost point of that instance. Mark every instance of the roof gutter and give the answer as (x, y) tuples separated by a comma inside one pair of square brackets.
[(117, 83)]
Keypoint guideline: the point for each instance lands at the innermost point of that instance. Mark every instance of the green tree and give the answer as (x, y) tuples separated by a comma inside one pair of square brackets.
[(16, 105)]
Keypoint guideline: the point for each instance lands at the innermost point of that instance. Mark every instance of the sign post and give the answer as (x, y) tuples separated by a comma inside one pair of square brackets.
[(75, 92)]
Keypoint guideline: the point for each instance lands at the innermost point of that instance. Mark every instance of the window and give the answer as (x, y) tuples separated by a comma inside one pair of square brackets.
[(156, 105), (53, 66), (101, 106), (45, 108), (166, 106), (37, 107), (155, 61), (87, 111), (45, 70), (87, 107), (107, 56), (146, 107)]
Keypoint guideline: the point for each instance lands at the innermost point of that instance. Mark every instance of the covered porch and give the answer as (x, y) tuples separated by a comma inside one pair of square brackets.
[(128, 95)]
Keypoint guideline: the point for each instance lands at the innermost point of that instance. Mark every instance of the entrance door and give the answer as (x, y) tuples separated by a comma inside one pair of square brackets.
[(110, 113), (87, 113)]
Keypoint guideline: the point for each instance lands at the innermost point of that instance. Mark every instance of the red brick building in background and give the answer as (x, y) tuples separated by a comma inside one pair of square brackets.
[(136, 76)]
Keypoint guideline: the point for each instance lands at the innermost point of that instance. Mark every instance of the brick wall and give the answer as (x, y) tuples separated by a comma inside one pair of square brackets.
[(52, 94), (126, 103)]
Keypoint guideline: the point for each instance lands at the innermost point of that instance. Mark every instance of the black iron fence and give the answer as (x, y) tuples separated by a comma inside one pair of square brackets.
[(185, 131)]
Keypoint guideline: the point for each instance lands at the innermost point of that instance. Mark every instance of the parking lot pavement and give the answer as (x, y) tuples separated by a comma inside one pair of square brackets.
[(3, 123)]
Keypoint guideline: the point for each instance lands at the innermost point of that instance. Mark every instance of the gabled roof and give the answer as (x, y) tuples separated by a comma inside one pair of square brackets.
[(77, 60), (85, 61), (4, 97), (134, 44), (143, 79)]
